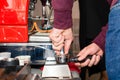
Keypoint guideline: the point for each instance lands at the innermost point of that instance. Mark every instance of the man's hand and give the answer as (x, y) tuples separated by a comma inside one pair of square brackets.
[(92, 49), (61, 39), (57, 39)]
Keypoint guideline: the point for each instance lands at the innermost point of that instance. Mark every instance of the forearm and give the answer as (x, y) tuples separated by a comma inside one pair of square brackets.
[(62, 13), (100, 39)]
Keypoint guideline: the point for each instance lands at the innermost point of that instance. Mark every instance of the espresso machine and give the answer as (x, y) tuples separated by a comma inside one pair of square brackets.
[(14, 19)]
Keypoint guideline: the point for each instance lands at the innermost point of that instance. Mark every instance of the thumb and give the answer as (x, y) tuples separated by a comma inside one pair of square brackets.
[(67, 45)]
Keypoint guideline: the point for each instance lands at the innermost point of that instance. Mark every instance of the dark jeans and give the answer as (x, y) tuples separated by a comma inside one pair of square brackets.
[(113, 44)]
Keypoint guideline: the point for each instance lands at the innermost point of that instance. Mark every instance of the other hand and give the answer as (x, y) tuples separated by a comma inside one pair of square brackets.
[(92, 49)]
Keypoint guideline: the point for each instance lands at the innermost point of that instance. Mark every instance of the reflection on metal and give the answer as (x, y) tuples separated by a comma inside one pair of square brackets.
[(35, 27), (45, 21)]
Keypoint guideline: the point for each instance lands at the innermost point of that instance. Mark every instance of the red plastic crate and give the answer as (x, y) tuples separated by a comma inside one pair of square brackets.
[(13, 33), (14, 20)]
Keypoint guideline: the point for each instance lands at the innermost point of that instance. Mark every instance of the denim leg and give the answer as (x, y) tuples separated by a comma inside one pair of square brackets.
[(113, 44)]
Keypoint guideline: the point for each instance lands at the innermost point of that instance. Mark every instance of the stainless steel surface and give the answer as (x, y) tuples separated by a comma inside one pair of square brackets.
[(53, 70), (56, 71), (37, 73), (62, 58)]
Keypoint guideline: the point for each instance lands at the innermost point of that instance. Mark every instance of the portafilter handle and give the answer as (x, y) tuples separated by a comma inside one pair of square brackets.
[(75, 59)]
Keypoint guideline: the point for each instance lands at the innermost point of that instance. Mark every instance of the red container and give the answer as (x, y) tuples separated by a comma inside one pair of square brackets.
[(14, 20)]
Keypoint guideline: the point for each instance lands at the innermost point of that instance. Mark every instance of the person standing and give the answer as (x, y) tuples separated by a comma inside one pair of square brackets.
[(61, 35), (93, 16), (110, 45)]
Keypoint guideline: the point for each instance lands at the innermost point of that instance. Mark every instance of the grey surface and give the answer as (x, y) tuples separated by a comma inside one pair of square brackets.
[(39, 73)]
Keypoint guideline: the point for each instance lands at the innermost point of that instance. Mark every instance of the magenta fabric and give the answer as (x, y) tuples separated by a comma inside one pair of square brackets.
[(62, 13), (100, 39)]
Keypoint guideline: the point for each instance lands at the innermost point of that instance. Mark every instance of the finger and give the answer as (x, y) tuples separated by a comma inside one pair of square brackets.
[(85, 63), (57, 52), (58, 48), (77, 64), (83, 54), (100, 53), (92, 61), (97, 60), (58, 43), (67, 46), (57, 39)]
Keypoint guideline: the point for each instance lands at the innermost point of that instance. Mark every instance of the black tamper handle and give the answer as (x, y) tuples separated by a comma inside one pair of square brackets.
[(75, 59)]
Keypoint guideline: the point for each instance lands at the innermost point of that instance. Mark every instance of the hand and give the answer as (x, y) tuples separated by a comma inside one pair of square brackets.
[(61, 38), (57, 39), (92, 49)]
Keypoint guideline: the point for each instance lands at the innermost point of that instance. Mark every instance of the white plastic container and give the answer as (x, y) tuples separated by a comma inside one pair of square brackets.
[(5, 54)]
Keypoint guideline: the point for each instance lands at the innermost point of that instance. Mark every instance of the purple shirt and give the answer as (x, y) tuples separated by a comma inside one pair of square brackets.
[(63, 18), (100, 39), (62, 13)]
